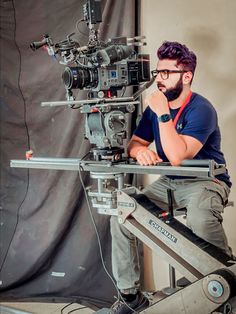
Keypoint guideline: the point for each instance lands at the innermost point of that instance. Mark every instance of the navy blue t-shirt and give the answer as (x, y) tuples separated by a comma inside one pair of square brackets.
[(199, 120)]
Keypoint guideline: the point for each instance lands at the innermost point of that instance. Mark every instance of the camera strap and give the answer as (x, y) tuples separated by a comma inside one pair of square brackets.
[(187, 100)]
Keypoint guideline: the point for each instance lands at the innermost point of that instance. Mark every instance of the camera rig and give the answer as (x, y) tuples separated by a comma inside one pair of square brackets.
[(104, 70)]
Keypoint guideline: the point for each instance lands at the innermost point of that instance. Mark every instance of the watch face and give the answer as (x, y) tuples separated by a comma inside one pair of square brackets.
[(164, 118)]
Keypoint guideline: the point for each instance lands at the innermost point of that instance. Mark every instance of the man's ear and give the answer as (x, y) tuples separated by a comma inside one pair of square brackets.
[(187, 77)]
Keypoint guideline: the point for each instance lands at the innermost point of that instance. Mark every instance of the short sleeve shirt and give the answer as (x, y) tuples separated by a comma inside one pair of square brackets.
[(199, 120)]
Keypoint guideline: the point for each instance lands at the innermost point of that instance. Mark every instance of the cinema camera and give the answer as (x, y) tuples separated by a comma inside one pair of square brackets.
[(105, 70)]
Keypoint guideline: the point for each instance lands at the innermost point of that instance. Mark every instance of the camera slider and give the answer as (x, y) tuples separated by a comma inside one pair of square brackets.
[(109, 174), (212, 274), (189, 168)]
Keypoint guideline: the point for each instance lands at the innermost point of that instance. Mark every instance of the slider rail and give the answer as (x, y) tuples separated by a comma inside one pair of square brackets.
[(117, 101), (189, 168)]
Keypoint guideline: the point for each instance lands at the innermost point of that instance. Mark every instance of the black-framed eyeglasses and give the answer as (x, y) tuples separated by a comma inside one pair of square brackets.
[(165, 73)]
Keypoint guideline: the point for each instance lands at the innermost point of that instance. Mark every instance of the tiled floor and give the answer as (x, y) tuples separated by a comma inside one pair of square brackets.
[(43, 308)]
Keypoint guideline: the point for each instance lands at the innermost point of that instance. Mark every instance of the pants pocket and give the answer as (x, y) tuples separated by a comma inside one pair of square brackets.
[(216, 202)]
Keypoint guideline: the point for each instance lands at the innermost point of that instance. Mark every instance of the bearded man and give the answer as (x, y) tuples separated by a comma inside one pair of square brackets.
[(183, 125)]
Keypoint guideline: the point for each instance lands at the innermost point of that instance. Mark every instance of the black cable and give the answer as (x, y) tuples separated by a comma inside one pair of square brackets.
[(96, 230), (27, 132), (87, 154), (99, 242), (66, 306), (77, 309), (75, 108)]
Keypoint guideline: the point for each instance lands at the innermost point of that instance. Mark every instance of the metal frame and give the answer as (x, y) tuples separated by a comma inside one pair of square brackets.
[(176, 249), (188, 168), (207, 292)]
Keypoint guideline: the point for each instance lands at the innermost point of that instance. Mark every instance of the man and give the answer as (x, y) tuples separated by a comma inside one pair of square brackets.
[(184, 126)]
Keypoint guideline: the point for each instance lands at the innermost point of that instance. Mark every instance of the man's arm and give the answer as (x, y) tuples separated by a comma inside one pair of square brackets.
[(138, 149), (175, 146)]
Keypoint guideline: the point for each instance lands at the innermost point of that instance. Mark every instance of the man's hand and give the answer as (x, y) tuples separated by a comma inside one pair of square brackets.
[(158, 102), (147, 157), (138, 149)]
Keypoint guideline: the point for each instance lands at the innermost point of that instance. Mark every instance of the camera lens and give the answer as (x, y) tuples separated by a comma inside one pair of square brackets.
[(75, 77)]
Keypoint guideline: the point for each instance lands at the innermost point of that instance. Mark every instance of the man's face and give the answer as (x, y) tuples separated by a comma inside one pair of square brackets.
[(173, 85)]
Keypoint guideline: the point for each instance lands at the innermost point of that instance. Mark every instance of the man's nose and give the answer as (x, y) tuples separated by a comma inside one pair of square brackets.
[(158, 78)]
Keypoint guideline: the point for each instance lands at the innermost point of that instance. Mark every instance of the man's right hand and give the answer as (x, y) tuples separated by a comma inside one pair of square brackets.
[(147, 157)]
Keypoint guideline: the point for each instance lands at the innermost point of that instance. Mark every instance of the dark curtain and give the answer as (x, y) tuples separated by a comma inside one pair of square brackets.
[(49, 249)]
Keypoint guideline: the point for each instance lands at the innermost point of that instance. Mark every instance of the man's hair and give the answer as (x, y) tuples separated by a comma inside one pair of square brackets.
[(175, 51)]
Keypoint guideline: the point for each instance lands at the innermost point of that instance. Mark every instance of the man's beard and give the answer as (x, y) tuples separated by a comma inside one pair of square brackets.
[(174, 92)]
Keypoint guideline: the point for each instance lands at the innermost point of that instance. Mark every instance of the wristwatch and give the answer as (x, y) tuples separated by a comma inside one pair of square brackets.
[(164, 118)]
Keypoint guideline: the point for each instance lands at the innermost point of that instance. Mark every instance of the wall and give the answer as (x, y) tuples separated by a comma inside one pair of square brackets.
[(207, 28)]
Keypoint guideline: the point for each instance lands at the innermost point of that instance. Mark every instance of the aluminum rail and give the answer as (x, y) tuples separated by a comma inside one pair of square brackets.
[(94, 101), (188, 169)]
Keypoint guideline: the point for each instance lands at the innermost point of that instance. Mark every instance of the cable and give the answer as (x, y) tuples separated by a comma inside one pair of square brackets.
[(87, 154), (123, 91), (66, 307), (227, 308), (77, 27), (28, 137), (77, 309), (99, 241), (84, 66), (96, 230), (75, 108)]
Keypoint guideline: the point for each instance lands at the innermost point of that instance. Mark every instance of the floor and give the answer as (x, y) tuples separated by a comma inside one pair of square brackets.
[(43, 308), (56, 308)]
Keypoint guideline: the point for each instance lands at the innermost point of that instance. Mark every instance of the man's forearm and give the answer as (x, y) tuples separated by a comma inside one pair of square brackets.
[(140, 151), (135, 147), (173, 145)]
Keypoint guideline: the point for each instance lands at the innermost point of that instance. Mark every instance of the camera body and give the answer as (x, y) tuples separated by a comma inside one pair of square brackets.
[(115, 76)]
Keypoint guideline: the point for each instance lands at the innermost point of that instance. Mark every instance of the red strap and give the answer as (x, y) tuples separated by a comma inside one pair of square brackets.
[(182, 108)]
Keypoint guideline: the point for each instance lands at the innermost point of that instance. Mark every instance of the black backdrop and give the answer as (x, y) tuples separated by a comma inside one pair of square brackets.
[(49, 249)]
